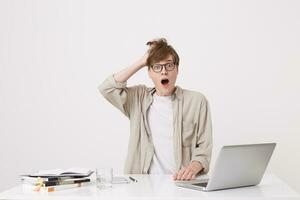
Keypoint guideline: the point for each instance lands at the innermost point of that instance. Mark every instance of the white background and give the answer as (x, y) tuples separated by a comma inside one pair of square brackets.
[(243, 55)]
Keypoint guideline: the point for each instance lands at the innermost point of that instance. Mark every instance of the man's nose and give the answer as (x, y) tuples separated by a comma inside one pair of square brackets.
[(164, 71)]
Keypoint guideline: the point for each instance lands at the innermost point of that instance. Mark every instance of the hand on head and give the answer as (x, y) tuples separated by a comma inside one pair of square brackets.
[(151, 45)]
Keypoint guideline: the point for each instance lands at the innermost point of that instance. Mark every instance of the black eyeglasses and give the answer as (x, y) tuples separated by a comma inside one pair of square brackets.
[(158, 67)]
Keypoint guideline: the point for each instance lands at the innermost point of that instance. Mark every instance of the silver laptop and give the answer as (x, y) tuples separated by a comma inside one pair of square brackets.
[(236, 166)]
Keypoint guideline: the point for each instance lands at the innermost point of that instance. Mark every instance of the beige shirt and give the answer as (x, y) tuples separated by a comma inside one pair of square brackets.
[(191, 122)]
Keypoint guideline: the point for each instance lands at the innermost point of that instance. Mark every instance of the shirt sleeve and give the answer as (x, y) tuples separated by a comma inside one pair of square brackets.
[(202, 148), (117, 94)]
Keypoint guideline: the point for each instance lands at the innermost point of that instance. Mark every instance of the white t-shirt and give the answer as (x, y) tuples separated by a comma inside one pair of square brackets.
[(160, 118)]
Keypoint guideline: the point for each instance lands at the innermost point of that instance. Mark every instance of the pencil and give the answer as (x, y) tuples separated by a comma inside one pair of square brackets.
[(134, 180)]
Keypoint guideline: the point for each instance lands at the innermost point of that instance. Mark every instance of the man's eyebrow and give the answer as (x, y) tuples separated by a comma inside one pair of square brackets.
[(168, 61), (164, 60)]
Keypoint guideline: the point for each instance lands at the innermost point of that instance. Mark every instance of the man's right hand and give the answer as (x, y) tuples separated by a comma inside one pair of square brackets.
[(143, 61), (126, 73)]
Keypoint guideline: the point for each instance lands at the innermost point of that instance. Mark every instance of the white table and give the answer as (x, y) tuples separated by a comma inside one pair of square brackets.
[(161, 187)]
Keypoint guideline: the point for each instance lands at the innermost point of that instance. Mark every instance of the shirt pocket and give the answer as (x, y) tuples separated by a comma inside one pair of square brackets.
[(188, 132)]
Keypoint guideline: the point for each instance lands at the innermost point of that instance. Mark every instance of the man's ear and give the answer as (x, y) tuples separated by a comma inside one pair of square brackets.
[(149, 73)]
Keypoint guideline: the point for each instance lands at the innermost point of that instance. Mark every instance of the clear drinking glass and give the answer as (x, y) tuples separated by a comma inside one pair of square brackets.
[(104, 177)]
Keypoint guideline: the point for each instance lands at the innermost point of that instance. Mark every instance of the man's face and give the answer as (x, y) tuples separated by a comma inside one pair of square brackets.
[(164, 80)]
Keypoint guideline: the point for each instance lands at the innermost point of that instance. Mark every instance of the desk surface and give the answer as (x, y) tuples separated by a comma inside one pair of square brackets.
[(160, 187)]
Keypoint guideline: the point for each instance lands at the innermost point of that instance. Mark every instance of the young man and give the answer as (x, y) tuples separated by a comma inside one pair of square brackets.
[(170, 126)]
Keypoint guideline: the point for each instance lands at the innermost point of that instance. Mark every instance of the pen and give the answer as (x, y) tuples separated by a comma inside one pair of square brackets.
[(134, 180)]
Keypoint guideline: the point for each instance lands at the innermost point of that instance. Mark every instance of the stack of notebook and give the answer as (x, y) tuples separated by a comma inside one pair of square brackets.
[(54, 180)]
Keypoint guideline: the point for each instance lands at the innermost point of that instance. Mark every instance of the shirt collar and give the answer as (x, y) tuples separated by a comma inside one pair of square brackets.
[(177, 94)]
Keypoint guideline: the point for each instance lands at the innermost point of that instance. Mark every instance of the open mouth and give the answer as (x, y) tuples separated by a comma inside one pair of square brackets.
[(165, 81)]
